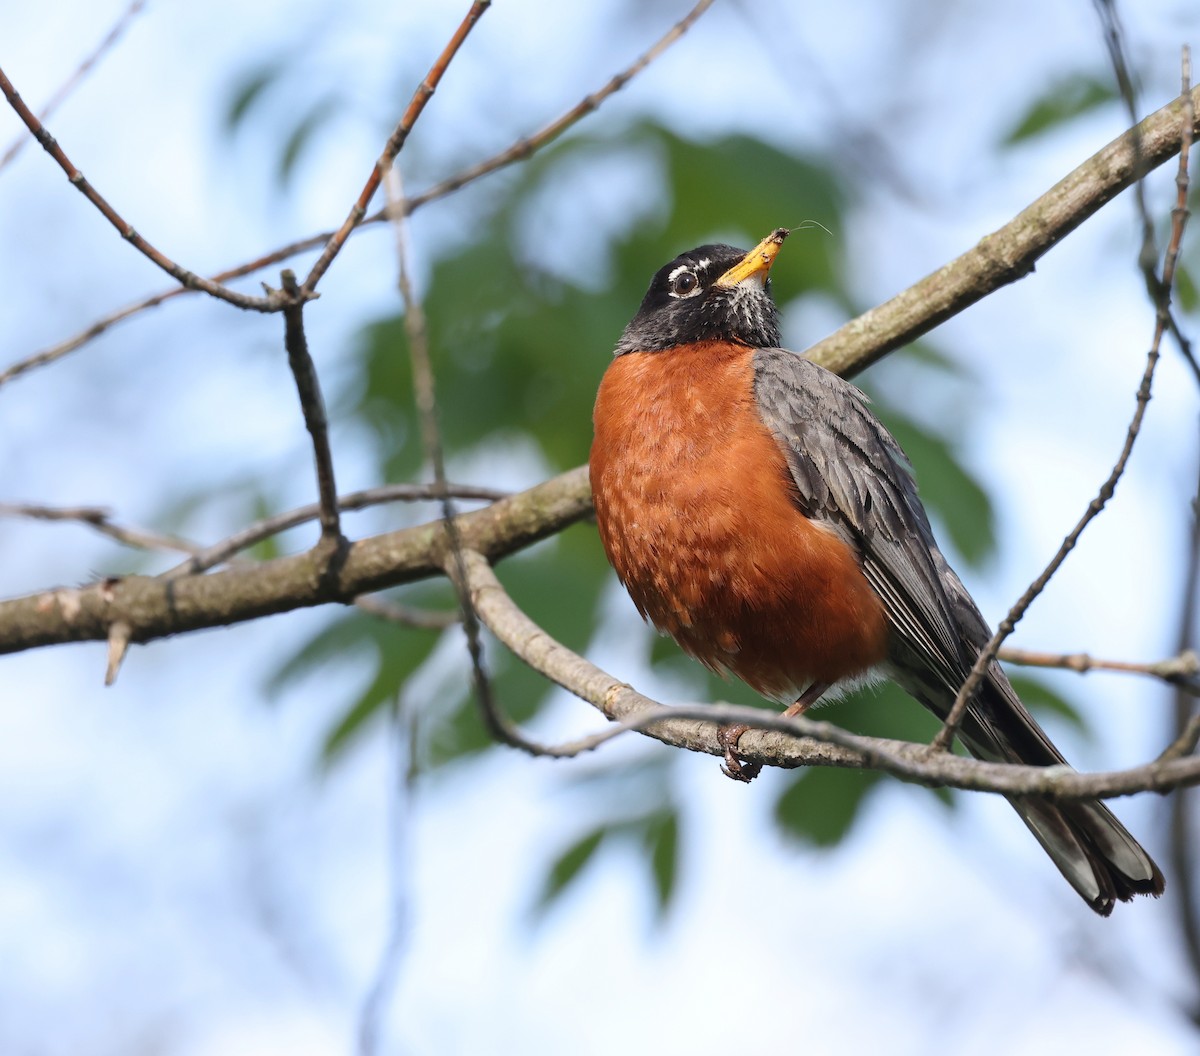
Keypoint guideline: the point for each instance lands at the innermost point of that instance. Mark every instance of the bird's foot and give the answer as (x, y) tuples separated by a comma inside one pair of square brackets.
[(734, 767)]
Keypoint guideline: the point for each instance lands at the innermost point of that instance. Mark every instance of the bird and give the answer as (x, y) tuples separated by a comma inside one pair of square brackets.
[(758, 512)]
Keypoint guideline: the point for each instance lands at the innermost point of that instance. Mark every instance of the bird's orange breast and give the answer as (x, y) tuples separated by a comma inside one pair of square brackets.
[(696, 511)]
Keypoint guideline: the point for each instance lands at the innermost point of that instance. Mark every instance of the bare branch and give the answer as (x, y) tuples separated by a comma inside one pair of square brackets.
[(405, 615), (222, 551), (527, 145), (179, 273), (946, 734), (156, 607), (73, 82), (788, 742), (1009, 253), (1181, 671), (101, 520), (498, 724), (55, 352), (395, 144), (313, 406)]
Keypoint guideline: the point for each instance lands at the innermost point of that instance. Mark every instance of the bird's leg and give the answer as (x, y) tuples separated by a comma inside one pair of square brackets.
[(728, 736)]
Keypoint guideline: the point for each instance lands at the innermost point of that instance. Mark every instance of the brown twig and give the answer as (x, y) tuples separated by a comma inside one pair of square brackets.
[(101, 520), (405, 615), (1181, 833), (527, 145), (220, 552), (988, 654), (313, 406), (73, 82), (394, 144), (1181, 671), (497, 723), (179, 273)]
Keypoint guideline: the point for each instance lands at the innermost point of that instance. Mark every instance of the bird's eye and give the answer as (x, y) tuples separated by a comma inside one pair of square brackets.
[(683, 283)]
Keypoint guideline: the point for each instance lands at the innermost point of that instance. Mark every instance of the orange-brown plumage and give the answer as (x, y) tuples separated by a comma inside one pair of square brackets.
[(696, 510)]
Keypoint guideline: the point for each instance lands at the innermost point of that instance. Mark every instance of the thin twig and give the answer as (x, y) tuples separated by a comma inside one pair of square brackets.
[(394, 144), (522, 148), (988, 654), (55, 352), (527, 145), (222, 551), (1009, 253), (73, 82), (403, 772), (313, 406), (101, 520), (406, 615), (1181, 671), (1161, 295), (179, 273), (1181, 840), (497, 723), (1182, 836), (1114, 42)]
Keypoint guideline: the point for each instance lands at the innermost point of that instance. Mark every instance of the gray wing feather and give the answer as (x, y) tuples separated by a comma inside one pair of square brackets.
[(851, 475)]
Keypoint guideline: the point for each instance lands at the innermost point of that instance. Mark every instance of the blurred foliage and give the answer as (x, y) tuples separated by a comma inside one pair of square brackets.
[(655, 835), (1066, 99), (519, 352)]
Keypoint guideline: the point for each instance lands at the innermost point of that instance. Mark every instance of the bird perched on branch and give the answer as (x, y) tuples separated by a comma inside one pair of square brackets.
[(758, 512)]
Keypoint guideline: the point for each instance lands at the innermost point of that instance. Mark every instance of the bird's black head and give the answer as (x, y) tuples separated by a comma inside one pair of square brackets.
[(713, 293)]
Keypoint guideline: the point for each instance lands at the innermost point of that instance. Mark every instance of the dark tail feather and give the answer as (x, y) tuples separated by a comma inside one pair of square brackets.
[(1090, 847), (1092, 850)]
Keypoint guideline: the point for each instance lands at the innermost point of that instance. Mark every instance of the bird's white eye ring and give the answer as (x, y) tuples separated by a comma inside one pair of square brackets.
[(682, 282)]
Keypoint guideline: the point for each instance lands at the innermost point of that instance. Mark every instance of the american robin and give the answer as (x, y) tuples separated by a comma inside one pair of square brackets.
[(758, 512)]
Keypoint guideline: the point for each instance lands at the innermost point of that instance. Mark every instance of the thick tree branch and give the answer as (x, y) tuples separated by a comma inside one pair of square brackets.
[(158, 607), (1009, 253)]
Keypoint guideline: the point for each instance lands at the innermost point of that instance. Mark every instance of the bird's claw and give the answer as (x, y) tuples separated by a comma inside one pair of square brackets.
[(733, 766)]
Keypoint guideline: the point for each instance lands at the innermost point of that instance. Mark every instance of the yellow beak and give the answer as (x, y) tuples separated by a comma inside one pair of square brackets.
[(757, 262)]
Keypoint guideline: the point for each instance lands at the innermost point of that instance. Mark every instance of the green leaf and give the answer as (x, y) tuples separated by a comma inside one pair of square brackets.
[(820, 804), (1068, 98), (302, 134), (1185, 289), (567, 866), (661, 841), (250, 90), (391, 653)]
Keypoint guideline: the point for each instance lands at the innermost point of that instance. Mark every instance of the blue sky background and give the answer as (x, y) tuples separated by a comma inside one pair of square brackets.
[(176, 874)]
